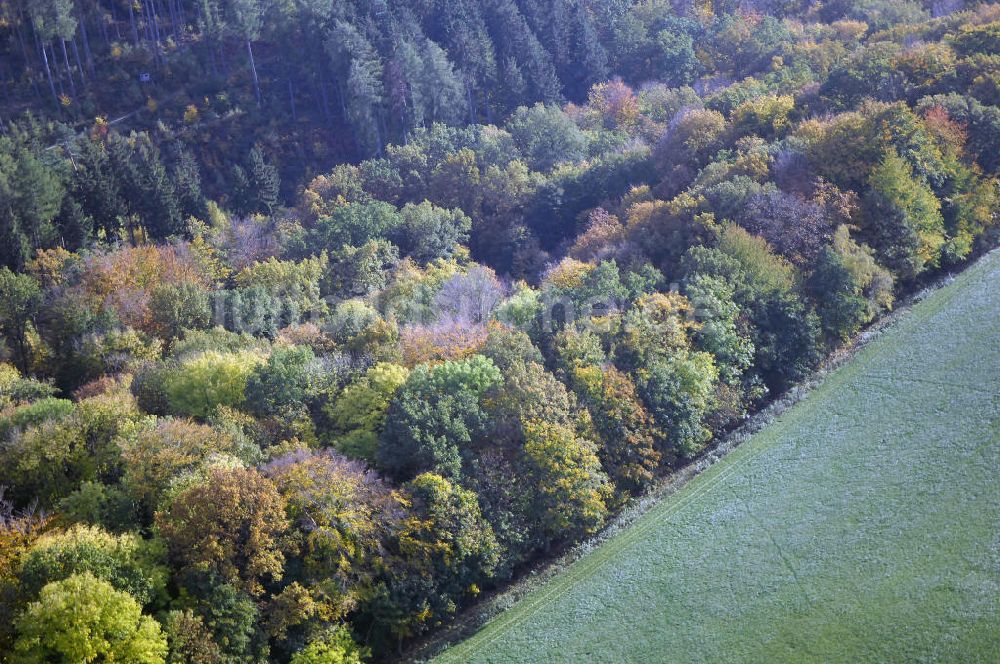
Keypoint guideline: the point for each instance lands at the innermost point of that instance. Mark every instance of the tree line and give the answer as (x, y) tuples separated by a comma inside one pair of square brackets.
[(242, 427)]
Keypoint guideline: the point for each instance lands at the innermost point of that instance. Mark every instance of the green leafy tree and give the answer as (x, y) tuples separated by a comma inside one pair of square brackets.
[(153, 456), (849, 286), (427, 233), (48, 461), (722, 329), (679, 392), (124, 561), (280, 386), (178, 307), (437, 413), (359, 413), (444, 550), (903, 220), (571, 489), (546, 136), (626, 431), (332, 646), (359, 271), (83, 618), (20, 298), (202, 383)]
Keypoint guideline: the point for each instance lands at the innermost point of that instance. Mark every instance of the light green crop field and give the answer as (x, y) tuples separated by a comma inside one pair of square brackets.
[(862, 525)]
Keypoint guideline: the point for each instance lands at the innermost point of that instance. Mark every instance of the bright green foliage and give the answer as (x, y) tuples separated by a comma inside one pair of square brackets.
[(48, 461), (230, 524), (35, 413), (786, 333), (202, 383), (720, 331), (176, 308), (294, 285), (20, 296), (332, 646), (16, 389), (655, 328), (437, 413), (84, 619), (355, 224), (358, 415), (678, 393), (903, 222), (572, 489), (124, 561)]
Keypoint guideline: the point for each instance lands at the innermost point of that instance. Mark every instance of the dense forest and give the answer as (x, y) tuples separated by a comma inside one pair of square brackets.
[(321, 318)]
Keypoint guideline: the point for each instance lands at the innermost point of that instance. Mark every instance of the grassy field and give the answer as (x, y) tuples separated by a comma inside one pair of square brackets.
[(862, 525)]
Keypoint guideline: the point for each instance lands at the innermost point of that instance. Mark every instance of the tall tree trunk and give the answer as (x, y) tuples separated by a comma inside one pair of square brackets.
[(69, 70), (291, 99), (175, 20), (253, 69), (48, 73), (135, 29), (55, 64), (79, 64), (24, 54), (156, 25), (88, 55), (114, 19), (151, 33)]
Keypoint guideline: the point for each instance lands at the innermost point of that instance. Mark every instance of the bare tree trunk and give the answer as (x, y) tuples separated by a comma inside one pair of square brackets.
[(48, 73), (87, 53), (135, 29), (27, 58), (69, 70), (253, 69), (79, 64), (152, 28), (55, 63)]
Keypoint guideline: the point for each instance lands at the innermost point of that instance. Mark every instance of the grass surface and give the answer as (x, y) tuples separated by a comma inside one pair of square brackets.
[(862, 525)]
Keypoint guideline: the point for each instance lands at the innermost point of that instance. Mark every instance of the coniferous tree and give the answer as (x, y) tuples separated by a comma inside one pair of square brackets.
[(264, 181)]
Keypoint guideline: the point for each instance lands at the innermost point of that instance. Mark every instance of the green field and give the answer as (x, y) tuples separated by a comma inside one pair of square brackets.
[(862, 525)]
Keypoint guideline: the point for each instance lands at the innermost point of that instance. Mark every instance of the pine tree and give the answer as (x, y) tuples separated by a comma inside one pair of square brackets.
[(265, 182), (187, 182), (589, 59), (155, 198)]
